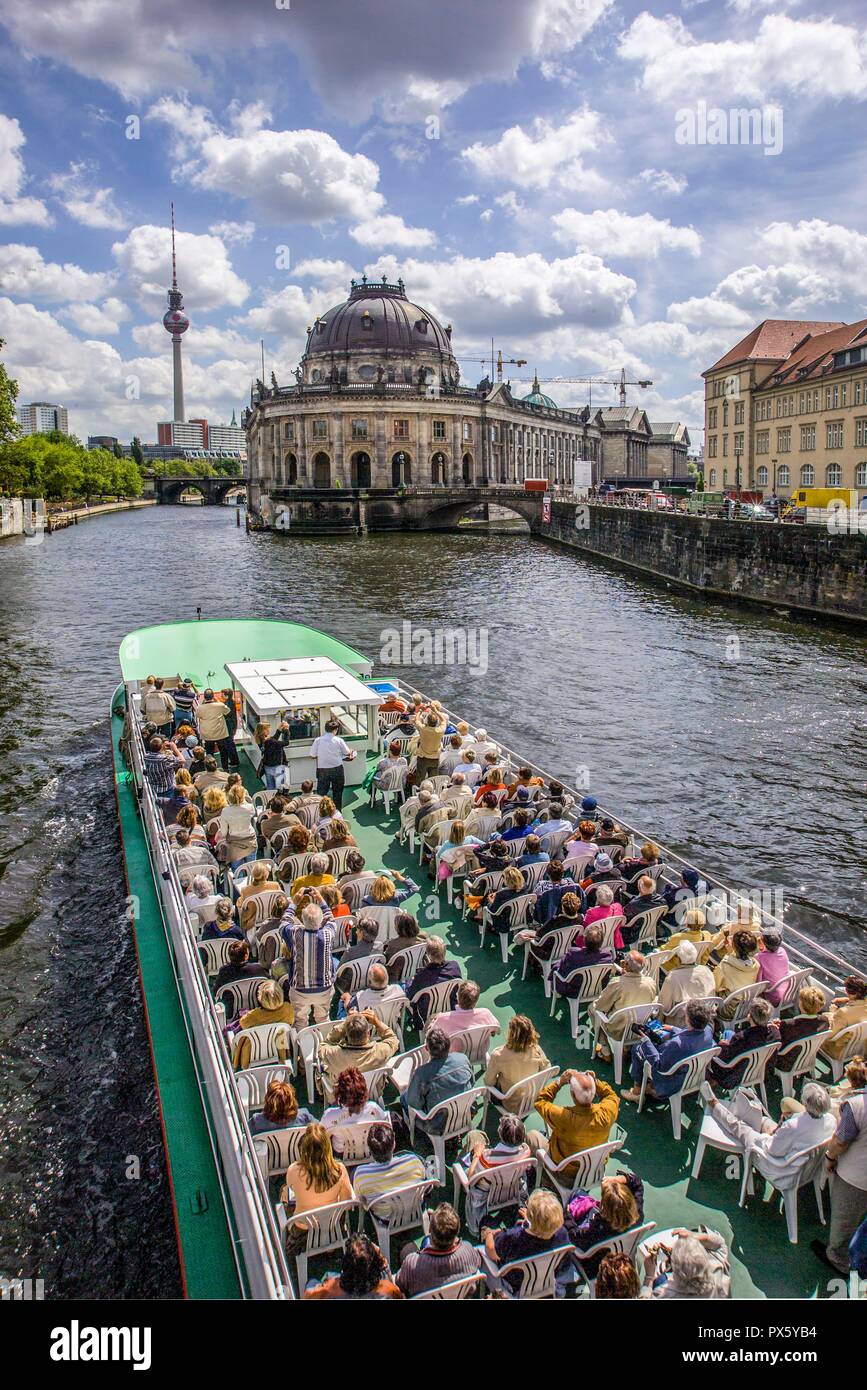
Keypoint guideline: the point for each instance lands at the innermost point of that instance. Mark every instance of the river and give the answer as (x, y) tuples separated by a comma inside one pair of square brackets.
[(733, 735)]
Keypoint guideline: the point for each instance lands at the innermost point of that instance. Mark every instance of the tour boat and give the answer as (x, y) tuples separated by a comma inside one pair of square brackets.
[(229, 1234)]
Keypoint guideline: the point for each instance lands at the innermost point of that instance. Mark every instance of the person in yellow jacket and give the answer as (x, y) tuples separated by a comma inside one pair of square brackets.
[(579, 1126), (693, 930), (625, 991)]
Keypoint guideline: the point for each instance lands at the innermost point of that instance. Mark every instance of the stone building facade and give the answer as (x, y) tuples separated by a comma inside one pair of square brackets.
[(786, 408)]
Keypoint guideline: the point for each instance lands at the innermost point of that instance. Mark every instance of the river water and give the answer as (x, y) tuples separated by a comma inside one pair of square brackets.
[(736, 737)]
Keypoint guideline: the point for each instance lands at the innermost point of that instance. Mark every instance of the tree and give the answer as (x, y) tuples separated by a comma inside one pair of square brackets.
[(117, 450), (8, 397), (136, 451)]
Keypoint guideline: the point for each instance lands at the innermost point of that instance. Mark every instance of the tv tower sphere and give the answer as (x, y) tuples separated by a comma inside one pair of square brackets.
[(176, 322)]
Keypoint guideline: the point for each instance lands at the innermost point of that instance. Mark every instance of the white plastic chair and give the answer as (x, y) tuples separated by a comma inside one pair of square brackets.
[(457, 1112), (592, 980), (215, 954), (350, 1142), (262, 800), (353, 974), (755, 1063), (327, 1229), (794, 982), (392, 1011), (239, 995), (501, 1186), (292, 866), (811, 1169), (589, 1167), (475, 1043), (390, 787), (264, 1039), (383, 914), (653, 963), (277, 1148), (521, 1098), (401, 1210), (855, 1045), (539, 1273), (376, 1078), (804, 1051), (533, 874), (468, 1287), (404, 1065), (559, 940), (628, 1018), (254, 1082), (741, 998), (694, 1069), (610, 926), (435, 999), (242, 876), (356, 889), (307, 1042), (337, 859), (625, 1243), (648, 924), (407, 961)]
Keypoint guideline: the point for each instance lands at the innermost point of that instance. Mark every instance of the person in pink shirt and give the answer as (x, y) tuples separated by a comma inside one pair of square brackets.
[(606, 907), (773, 965), (465, 1014), (583, 844)]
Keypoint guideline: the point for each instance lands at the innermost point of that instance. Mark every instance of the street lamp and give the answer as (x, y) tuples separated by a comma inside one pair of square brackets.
[(774, 466), (738, 474)]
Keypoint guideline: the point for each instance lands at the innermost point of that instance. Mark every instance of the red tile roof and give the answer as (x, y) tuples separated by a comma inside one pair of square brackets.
[(813, 356), (773, 340)]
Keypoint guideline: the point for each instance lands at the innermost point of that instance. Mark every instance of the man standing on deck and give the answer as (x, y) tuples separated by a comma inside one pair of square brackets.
[(331, 753), (213, 729)]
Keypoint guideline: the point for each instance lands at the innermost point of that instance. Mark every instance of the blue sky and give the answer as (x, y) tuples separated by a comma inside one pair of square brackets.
[(520, 162)]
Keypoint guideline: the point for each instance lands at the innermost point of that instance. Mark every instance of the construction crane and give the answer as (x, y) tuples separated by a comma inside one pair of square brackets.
[(592, 381), (500, 362)]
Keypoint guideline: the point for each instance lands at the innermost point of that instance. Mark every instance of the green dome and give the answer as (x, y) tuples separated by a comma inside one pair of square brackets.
[(537, 396)]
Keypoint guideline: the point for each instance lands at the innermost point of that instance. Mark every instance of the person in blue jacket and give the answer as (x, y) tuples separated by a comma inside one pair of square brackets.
[(664, 1047)]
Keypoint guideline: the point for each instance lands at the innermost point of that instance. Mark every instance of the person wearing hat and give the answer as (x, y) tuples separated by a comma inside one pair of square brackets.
[(604, 870), (588, 807), (693, 930), (610, 833)]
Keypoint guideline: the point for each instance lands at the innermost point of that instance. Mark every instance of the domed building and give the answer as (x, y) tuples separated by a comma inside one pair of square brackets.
[(378, 404)]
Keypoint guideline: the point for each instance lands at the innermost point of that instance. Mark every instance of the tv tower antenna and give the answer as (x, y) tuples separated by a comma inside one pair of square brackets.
[(176, 323)]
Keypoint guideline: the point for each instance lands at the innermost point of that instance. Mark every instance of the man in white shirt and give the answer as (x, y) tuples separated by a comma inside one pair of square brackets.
[(331, 753), (377, 992), (778, 1150)]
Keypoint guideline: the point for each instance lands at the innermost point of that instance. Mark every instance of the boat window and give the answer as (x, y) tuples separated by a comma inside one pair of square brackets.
[(352, 719)]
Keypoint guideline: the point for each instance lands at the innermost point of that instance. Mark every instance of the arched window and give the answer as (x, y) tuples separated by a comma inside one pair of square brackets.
[(438, 468), (784, 477), (834, 474), (291, 470), (808, 475), (467, 469), (321, 471), (278, 473), (401, 469), (359, 470), (712, 477), (861, 475), (762, 476)]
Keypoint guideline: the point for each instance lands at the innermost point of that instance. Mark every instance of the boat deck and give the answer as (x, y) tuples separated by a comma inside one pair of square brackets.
[(764, 1263)]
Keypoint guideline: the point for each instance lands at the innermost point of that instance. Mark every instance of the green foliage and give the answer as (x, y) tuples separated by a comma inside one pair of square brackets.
[(228, 468), (182, 468), (136, 451), (8, 397), (57, 467)]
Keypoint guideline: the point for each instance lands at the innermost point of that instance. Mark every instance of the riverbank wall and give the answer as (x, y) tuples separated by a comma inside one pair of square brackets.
[(803, 568), (26, 516)]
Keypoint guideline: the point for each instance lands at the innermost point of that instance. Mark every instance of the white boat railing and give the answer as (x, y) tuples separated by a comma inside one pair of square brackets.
[(257, 1244), (827, 967)]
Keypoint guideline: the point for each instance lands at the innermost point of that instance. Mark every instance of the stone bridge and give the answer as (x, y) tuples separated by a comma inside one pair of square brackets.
[(213, 490), (335, 510)]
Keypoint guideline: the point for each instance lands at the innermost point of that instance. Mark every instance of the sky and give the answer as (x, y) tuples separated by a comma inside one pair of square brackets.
[(569, 177)]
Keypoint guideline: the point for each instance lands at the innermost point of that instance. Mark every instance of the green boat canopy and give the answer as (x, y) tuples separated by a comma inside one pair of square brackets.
[(200, 650)]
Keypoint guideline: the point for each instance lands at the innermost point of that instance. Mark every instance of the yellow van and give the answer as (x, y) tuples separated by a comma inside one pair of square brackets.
[(808, 497)]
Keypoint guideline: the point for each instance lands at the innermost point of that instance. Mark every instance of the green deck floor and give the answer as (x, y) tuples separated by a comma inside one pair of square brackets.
[(764, 1264), (204, 1235)]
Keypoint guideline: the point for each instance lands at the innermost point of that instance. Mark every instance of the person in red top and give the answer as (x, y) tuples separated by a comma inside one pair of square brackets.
[(493, 783), (393, 703), (363, 1274)]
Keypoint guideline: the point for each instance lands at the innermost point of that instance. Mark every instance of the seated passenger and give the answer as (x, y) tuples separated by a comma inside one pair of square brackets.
[(276, 817), (517, 1058), (223, 924), (809, 1020), (693, 930), (465, 1013), (582, 845), (447, 1074), (239, 966), (846, 1009), (317, 875), (759, 1030), (386, 1171), (543, 940), (433, 970), (359, 1040), (534, 853), (647, 898), (540, 1228), (551, 825), (279, 1110), (456, 853), (493, 783), (451, 756), (443, 1257), (315, 1179), (406, 933), (617, 1277), (337, 836), (695, 1265), (376, 994), (580, 957), (608, 832), (603, 871), (201, 898), (579, 1126), (352, 1106), (364, 1274), (739, 967), (260, 882), (625, 991), (390, 890), (550, 890), (480, 1155), (211, 777), (604, 908), (393, 762), (777, 1149), (686, 980), (648, 862), (272, 1008), (670, 1046), (773, 964), (619, 1206)]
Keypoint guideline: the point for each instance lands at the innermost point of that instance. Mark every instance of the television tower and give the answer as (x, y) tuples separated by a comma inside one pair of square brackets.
[(176, 322)]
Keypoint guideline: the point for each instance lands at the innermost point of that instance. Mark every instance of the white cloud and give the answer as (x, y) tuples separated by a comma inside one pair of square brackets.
[(620, 234), (205, 273), (26, 275), (16, 210), (235, 233), (94, 319), (93, 207), (466, 200), (784, 55), (286, 175), (388, 230), (289, 311), (486, 215), (544, 155), (661, 181)]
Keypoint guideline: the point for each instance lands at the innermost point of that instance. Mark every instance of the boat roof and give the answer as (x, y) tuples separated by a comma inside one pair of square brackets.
[(299, 683), (202, 649)]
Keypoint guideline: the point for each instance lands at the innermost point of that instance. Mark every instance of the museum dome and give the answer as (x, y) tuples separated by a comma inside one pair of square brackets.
[(379, 320), (537, 397)]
